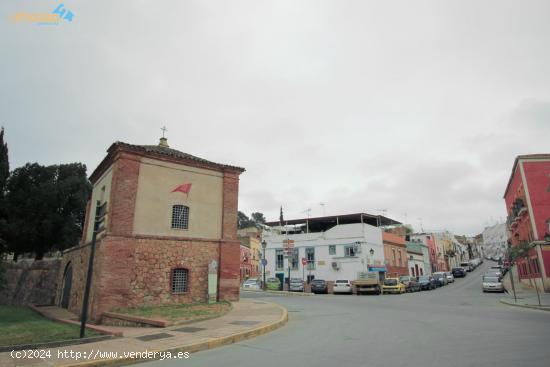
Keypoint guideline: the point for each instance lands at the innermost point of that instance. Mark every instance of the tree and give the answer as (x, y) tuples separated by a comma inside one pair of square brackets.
[(46, 207), (243, 221), (281, 219), (4, 164), (4, 174), (258, 219)]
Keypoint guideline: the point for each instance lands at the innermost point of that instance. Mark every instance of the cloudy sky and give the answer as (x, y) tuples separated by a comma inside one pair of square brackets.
[(414, 107)]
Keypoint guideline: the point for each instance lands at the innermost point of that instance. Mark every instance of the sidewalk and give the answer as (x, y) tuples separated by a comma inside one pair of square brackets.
[(528, 300), (247, 319)]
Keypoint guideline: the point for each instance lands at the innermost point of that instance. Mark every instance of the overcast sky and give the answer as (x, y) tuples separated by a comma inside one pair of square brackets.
[(415, 107)]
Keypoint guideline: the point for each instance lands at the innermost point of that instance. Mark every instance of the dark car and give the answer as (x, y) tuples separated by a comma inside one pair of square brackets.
[(426, 282), (319, 286), (411, 284), (440, 279), (458, 272)]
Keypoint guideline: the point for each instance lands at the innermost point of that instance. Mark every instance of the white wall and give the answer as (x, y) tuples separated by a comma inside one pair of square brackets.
[(370, 237)]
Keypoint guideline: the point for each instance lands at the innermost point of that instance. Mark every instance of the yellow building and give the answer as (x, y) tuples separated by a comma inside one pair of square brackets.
[(251, 238)]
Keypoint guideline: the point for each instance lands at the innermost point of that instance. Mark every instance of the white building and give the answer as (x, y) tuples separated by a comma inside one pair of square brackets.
[(495, 241), (335, 247)]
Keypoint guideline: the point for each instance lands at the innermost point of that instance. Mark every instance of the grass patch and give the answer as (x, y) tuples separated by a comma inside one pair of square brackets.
[(182, 312), (21, 325)]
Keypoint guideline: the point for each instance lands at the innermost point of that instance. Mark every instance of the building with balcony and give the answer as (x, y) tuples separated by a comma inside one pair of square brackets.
[(527, 198), (427, 240)]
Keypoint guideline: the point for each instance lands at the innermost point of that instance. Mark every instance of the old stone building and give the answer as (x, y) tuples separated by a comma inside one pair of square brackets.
[(169, 214)]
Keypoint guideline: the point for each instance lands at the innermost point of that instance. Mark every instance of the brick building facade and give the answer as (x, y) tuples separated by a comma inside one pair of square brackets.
[(527, 199), (395, 254), (169, 214)]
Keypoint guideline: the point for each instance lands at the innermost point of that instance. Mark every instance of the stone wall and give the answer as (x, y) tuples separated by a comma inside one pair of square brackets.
[(29, 281)]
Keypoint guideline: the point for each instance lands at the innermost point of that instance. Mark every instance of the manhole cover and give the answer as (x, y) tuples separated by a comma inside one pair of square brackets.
[(189, 329), (146, 338), (245, 322)]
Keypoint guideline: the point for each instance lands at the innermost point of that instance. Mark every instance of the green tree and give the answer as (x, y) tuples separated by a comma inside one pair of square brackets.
[(242, 220), (258, 218), (4, 174), (46, 207)]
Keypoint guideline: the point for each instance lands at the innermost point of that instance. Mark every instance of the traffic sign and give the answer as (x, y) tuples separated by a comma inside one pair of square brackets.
[(264, 262), (304, 261)]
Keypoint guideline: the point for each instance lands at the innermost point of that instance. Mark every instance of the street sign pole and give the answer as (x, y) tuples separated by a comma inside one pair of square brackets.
[(99, 220)]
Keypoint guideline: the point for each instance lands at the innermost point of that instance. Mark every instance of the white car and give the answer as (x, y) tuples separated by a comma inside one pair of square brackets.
[(342, 286), (492, 283), (252, 283), (450, 277)]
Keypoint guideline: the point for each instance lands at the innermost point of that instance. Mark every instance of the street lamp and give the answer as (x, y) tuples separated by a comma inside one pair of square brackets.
[(264, 245)]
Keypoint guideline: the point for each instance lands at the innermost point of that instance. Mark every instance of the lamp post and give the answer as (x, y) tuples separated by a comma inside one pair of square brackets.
[(264, 245)]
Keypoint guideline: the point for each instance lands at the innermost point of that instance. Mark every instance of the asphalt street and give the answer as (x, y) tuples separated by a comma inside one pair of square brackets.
[(456, 325)]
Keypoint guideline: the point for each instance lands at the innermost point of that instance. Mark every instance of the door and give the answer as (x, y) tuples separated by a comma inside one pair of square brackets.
[(281, 277), (67, 283)]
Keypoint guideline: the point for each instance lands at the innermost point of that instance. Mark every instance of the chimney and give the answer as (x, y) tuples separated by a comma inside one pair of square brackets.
[(163, 142)]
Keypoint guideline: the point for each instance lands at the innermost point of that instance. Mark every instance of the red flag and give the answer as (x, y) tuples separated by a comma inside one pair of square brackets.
[(185, 188)]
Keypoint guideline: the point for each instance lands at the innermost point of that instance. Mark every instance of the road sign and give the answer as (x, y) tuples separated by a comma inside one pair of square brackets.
[(264, 262), (304, 261)]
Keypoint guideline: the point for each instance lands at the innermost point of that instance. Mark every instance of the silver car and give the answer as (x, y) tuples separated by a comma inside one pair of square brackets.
[(492, 283), (296, 285)]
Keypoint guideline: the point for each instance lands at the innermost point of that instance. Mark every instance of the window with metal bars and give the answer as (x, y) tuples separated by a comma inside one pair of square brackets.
[(180, 281), (180, 217)]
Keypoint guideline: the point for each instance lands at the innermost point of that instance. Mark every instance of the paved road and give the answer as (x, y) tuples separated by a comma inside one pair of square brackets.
[(456, 325)]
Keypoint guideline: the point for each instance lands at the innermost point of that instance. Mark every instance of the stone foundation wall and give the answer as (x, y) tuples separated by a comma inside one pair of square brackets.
[(77, 258), (29, 281)]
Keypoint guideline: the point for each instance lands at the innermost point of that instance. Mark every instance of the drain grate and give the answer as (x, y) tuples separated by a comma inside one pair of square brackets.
[(245, 322), (189, 329), (147, 338)]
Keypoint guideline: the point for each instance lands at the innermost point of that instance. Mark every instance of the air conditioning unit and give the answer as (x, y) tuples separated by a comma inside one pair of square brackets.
[(335, 265)]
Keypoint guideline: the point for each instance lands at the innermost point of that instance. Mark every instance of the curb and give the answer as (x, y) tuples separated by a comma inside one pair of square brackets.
[(280, 293), (93, 327), (532, 307), (196, 347)]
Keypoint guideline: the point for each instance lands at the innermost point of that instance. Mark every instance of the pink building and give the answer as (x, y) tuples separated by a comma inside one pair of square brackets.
[(527, 198), (246, 263)]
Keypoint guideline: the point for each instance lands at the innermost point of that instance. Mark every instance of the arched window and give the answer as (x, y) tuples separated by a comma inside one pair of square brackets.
[(180, 281), (180, 217)]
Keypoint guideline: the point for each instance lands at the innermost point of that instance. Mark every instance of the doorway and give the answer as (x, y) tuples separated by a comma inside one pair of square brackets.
[(67, 284)]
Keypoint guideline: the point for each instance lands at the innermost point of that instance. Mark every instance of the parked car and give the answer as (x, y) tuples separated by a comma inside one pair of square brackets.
[(342, 286), (493, 272), (492, 284), (273, 284), (393, 285), (296, 285), (466, 266), (458, 272), (319, 286), (440, 278), (252, 283), (426, 282), (411, 284), (450, 277)]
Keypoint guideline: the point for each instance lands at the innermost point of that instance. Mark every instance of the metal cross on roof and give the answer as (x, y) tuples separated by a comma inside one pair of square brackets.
[(164, 129)]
